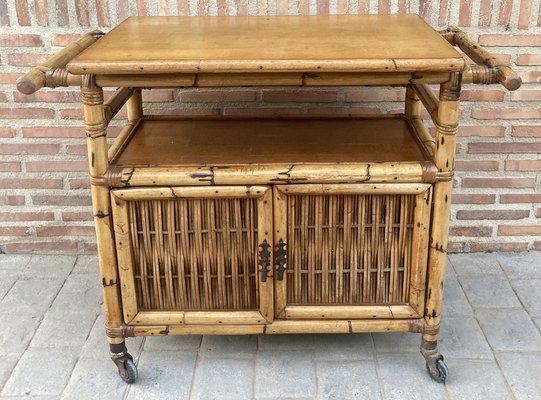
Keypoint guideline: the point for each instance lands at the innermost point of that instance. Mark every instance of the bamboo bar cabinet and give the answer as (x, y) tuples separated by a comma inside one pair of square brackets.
[(273, 225)]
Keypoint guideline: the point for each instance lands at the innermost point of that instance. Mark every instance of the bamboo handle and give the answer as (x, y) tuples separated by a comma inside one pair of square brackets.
[(52, 72), (487, 69)]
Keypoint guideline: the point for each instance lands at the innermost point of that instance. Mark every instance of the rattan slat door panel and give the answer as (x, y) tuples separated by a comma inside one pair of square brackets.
[(353, 251), (190, 254)]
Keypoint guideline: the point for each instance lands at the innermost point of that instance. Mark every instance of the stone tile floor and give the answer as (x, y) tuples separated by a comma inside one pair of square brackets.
[(52, 344)]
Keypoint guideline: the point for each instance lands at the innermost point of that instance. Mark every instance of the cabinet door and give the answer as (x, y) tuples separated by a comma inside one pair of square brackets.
[(194, 255), (351, 251)]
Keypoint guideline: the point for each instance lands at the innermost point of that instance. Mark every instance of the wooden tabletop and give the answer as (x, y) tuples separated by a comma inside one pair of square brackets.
[(330, 43)]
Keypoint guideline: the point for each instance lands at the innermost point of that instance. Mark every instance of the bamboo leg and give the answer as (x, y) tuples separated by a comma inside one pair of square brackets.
[(96, 131), (134, 106), (446, 128), (413, 104)]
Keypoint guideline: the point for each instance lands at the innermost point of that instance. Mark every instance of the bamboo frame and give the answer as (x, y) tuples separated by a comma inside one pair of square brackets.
[(284, 327), (446, 129), (399, 172), (269, 79), (96, 130)]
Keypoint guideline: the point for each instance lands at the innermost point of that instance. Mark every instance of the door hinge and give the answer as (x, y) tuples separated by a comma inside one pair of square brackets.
[(281, 259), (264, 259)]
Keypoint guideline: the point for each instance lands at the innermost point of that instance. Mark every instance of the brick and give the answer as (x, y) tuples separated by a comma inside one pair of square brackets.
[(492, 214), (525, 13), (473, 231), (62, 40), (41, 247), (504, 17), (505, 148), (464, 13), (499, 246), (26, 113), (506, 113), (88, 247), (53, 132), (12, 200), (519, 230), (484, 130), (52, 200), (81, 9), (526, 131), (31, 183), (482, 95), (530, 76), (10, 166), (102, 12), (61, 96), (157, 96), (455, 247), (528, 59), (299, 96), (375, 95), (7, 78), (520, 198), (79, 183), (76, 149), (23, 16), (499, 40), (20, 40), (264, 112), (40, 11), (27, 59), (536, 246), (27, 148), (477, 165), (71, 113), (4, 15), (526, 95), (343, 111), (62, 13), (466, 198), (6, 132), (70, 216), (26, 216), (218, 96), (498, 182), (3, 97), (523, 165), (538, 212), (56, 166), (14, 231)]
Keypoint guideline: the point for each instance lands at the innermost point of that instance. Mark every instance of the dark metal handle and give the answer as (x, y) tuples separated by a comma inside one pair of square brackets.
[(281, 259), (264, 259)]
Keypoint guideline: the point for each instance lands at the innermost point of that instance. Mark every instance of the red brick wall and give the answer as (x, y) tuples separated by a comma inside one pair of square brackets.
[(44, 198)]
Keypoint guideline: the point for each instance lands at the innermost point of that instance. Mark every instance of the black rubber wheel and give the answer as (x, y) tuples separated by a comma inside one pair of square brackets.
[(129, 372), (439, 372)]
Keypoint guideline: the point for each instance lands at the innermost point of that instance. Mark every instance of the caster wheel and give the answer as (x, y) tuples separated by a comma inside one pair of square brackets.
[(438, 371), (128, 372)]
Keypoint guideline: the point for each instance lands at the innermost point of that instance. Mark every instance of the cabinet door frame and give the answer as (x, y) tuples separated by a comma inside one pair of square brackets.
[(124, 248), (419, 252)]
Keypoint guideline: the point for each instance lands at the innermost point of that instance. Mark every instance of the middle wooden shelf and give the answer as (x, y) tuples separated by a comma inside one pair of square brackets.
[(158, 150)]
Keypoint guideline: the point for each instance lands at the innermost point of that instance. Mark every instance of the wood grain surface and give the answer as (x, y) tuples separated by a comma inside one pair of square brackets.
[(369, 43)]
